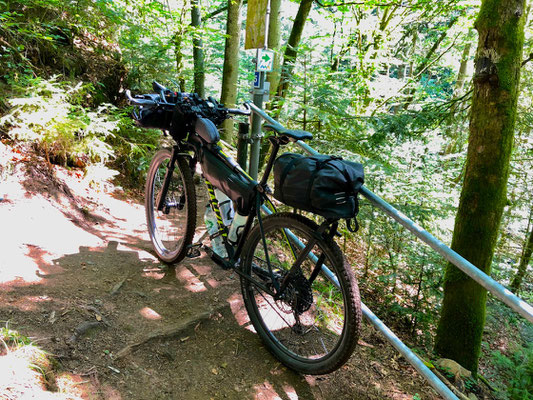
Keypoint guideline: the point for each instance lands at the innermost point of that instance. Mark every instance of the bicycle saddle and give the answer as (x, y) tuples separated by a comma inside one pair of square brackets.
[(291, 133)]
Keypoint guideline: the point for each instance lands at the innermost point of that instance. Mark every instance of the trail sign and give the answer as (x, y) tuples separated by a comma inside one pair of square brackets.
[(265, 60)]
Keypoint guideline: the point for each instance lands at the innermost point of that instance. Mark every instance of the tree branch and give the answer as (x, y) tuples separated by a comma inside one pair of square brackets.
[(527, 60), (362, 3), (220, 10)]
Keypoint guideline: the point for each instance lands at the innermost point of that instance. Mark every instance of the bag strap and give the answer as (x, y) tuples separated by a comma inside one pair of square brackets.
[(284, 174), (352, 224)]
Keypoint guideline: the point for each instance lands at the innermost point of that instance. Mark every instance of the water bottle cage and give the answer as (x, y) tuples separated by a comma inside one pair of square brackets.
[(218, 233), (238, 234)]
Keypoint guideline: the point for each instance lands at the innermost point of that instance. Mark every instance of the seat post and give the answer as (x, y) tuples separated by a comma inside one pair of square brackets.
[(275, 142)]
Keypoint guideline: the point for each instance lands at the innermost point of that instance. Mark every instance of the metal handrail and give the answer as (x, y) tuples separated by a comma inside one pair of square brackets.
[(513, 301)]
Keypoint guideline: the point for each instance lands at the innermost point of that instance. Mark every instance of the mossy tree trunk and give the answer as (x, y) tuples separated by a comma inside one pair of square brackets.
[(500, 25), (197, 49), (230, 73), (274, 43)]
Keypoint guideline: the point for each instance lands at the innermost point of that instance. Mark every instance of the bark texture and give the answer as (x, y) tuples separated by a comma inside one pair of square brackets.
[(500, 25), (274, 43), (198, 49), (230, 73)]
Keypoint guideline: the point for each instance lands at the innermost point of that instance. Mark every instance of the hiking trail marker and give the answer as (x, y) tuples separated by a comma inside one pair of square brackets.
[(265, 60)]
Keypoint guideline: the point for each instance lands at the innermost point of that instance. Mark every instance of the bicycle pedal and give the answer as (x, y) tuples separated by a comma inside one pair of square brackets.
[(194, 250)]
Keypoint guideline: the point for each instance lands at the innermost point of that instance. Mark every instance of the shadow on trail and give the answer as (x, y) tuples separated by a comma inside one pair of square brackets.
[(91, 304)]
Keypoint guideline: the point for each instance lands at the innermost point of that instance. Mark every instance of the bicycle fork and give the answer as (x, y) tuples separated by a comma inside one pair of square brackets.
[(160, 201)]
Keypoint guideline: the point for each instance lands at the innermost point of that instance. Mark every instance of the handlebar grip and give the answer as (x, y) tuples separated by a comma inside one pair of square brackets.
[(238, 111), (139, 102)]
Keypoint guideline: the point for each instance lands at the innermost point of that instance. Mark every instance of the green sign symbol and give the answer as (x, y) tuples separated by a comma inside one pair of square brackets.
[(266, 57)]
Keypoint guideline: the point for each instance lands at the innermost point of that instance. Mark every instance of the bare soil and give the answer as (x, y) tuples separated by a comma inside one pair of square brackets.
[(78, 276)]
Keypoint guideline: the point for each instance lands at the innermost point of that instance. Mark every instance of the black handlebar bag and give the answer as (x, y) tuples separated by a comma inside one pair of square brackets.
[(153, 118), (324, 185)]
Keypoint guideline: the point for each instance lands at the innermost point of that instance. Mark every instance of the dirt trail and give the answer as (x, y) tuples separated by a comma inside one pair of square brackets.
[(77, 276)]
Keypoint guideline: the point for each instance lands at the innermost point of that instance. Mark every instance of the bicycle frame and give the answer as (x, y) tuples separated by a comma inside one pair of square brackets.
[(234, 252)]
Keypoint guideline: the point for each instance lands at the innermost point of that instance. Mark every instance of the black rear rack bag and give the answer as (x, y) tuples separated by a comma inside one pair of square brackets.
[(324, 185)]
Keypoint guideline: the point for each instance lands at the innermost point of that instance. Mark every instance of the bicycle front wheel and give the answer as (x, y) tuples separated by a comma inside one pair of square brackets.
[(172, 228), (313, 325)]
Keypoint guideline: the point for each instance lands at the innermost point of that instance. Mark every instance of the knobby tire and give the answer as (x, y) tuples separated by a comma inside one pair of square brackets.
[(171, 230), (314, 328)]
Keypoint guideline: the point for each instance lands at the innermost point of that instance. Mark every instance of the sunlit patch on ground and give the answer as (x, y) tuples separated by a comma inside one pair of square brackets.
[(239, 311), (149, 313), (190, 281), (27, 374), (266, 391)]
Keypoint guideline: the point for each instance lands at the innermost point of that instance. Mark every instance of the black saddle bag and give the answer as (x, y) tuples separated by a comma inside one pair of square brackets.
[(324, 185)]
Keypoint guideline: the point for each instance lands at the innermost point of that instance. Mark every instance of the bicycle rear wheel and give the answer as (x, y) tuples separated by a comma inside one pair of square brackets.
[(314, 325), (171, 229)]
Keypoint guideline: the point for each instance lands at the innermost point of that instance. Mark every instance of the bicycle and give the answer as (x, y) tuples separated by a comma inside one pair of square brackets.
[(300, 294)]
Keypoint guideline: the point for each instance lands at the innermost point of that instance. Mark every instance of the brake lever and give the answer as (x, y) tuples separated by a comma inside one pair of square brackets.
[(163, 97), (238, 111)]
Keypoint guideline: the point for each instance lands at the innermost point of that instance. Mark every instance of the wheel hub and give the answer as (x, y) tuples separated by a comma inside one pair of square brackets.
[(298, 294)]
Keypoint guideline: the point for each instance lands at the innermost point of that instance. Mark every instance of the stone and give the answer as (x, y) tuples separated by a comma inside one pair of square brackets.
[(453, 367)]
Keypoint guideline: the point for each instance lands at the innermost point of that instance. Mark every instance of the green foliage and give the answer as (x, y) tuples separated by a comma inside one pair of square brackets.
[(517, 370), (13, 338), (50, 114), (366, 83), (55, 117), (134, 148), (37, 35)]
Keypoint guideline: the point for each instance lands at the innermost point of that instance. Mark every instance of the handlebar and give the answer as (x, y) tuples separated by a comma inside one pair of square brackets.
[(142, 100), (187, 103), (176, 112)]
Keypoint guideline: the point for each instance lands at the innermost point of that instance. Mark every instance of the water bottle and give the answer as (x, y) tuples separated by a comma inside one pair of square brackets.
[(236, 227), (226, 207), (211, 225)]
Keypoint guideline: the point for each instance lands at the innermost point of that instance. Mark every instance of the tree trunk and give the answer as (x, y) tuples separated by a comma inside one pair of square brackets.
[(178, 43), (290, 53), (198, 49), (524, 259), (461, 75), (274, 43), (230, 73), (454, 127), (500, 25)]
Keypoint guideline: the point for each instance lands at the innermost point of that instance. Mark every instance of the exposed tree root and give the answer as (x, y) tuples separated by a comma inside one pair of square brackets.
[(168, 332)]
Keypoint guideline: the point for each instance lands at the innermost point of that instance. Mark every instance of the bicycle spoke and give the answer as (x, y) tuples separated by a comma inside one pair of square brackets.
[(302, 318)]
